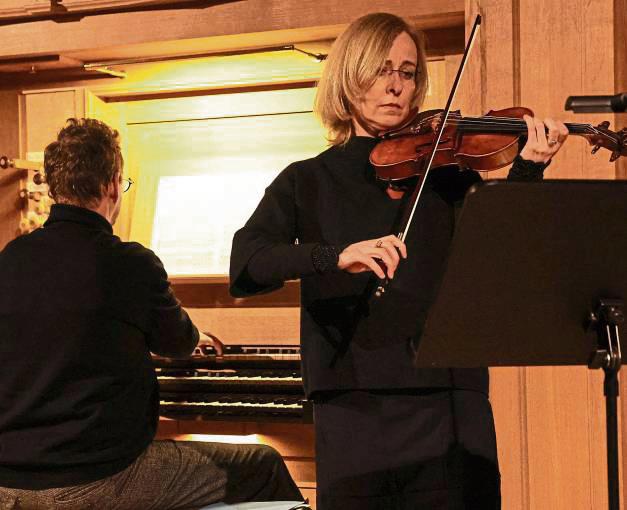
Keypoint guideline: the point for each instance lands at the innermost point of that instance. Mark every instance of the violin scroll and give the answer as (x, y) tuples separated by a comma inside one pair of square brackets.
[(602, 137)]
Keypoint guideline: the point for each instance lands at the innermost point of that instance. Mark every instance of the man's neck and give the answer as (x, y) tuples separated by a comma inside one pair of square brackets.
[(101, 207)]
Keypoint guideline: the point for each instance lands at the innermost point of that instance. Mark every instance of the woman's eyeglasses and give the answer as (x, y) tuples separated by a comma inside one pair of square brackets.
[(126, 184), (404, 74)]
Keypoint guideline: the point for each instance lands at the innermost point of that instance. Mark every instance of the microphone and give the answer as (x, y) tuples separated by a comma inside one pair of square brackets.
[(597, 104)]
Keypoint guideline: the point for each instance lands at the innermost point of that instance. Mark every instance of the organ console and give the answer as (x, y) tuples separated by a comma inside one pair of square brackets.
[(234, 382)]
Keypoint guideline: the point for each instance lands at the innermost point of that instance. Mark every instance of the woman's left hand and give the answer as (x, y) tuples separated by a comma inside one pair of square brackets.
[(540, 146)]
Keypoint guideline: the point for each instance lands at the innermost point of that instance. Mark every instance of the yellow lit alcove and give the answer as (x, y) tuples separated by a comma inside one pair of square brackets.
[(200, 163), (199, 179)]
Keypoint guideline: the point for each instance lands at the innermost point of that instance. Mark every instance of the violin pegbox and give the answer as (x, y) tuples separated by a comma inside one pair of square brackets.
[(602, 136), (621, 145)]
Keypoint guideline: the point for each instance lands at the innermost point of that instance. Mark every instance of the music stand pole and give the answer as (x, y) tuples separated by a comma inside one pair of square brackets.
[(605, 320)]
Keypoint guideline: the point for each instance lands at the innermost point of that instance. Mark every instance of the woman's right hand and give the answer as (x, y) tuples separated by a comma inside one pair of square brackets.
[(374, 255)]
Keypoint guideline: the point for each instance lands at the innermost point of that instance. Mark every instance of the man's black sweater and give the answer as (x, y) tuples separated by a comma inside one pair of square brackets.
[(80, 311)]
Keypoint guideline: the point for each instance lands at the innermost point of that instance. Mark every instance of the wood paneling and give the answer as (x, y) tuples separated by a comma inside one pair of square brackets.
[(550, 421), (46, 113), (561, 435), (565, 440), (620, 71), (620, 81), (13, 8), (9, 179), (559, 56), (567, 61), (508, 394)]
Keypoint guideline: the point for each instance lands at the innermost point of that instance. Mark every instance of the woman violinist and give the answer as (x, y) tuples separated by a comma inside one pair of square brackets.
[(388, 435)]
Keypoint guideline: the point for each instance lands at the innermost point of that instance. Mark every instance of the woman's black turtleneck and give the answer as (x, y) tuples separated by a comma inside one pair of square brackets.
[(349, 339)]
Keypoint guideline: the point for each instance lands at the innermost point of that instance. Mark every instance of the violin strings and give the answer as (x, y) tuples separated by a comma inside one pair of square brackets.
[(514, 121), (494, 119), (514, 124)]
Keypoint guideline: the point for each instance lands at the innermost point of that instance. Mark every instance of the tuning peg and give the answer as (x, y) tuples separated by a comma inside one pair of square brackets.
[(596, 148), (605, 124), (615, 155)]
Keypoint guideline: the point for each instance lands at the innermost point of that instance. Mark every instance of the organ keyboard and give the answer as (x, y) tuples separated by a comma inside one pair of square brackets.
[(242, 382)]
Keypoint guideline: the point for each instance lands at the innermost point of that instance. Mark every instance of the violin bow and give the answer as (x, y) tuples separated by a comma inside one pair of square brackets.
[(413, 202)]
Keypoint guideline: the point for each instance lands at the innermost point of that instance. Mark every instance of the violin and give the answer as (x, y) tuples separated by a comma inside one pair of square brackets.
[(481, 143)]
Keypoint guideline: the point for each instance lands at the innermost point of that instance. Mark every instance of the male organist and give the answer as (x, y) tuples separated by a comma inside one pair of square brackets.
[(80, 312)]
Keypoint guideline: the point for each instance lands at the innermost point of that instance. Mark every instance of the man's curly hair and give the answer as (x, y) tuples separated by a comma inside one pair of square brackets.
[(82, 162)]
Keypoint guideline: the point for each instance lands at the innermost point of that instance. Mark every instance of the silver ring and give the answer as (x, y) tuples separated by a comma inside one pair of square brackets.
[(379, 243), (552, 143)]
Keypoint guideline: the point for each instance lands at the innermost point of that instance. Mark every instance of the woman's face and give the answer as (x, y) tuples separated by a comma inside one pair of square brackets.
[(386, 104)]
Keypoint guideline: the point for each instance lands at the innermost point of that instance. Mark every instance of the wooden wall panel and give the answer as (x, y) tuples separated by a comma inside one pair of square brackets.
[(620, 70), (620, 79), (9, 179), (509, 403), (550, 421), (561, 54), (565, 442), (46, 113)]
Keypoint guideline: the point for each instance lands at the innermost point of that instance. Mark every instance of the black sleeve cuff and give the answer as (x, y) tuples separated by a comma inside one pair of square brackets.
[(325, 258), (525, 170)]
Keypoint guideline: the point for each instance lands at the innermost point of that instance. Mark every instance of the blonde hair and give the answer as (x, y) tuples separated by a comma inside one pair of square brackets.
[(353, 66)]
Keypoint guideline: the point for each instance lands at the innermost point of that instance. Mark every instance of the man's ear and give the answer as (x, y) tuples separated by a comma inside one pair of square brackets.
[(114, 189)]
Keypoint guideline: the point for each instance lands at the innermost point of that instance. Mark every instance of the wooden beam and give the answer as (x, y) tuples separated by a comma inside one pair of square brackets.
[(10, 178), (61, 11), (224, 19)]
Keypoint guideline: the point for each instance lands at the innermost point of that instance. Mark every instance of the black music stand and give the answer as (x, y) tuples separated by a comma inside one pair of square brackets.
[(537, 275)]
